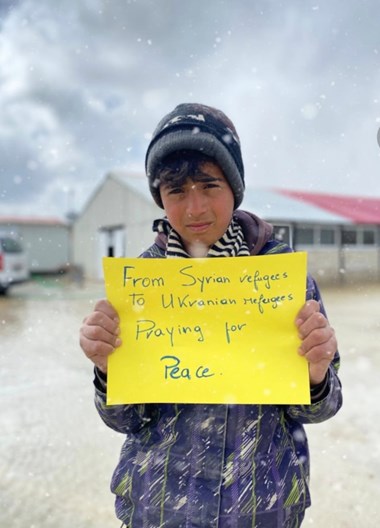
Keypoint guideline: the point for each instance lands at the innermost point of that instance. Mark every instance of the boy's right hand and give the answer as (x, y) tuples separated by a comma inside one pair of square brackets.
[(99, 334)]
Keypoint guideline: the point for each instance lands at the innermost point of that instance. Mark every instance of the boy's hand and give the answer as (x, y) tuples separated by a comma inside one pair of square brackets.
[(318, 340), (99, 334)]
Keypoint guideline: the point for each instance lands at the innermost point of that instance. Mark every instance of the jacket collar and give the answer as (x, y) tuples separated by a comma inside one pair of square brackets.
[(256, 231)]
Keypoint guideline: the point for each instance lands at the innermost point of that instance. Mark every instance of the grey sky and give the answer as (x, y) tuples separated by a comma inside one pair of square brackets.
[(83, 84)]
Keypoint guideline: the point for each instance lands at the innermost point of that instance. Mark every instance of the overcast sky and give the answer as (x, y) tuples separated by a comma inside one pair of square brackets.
[(84, 83)]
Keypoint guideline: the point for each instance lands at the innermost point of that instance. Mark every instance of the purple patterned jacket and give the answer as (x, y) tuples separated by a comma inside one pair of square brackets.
[(217, 466)]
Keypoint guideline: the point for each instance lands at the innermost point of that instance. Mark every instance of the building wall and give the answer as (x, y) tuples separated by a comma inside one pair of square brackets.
[(323, 264), (361, 264), (113, 206), (47, 245), (343, 265)]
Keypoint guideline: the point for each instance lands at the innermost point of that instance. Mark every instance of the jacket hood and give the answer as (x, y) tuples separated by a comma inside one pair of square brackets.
[(256, 231)]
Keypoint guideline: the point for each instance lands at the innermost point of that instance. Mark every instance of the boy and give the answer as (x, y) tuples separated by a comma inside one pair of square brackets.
[(211, 466)]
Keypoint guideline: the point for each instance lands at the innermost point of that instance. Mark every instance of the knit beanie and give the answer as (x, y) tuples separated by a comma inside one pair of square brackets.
[(198, 127)]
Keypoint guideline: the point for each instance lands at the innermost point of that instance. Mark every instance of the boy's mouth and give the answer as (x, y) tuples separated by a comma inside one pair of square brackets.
[(199, 227)]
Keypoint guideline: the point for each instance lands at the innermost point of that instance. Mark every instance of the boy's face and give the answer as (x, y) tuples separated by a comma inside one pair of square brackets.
[(200, 211)]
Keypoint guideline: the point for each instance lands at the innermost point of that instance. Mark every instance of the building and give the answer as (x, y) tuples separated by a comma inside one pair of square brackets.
[(115, 222), (340, 234), (46, 240)]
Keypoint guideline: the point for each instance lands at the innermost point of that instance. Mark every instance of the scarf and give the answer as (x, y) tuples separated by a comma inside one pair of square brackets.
[(231, 244)]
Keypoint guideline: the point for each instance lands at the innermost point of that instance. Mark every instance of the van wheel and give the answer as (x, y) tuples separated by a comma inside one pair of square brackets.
[(3, 290)]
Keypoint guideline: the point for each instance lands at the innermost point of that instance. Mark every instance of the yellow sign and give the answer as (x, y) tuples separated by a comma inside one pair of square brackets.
[(212, 330)]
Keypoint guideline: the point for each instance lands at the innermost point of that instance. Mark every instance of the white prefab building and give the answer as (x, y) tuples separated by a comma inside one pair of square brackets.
[(46, 241), (341, 246), (116, 222), (341, 238)]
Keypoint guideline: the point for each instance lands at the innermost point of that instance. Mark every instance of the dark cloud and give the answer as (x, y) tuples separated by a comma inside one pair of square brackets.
[(6, 7), (83, 84)]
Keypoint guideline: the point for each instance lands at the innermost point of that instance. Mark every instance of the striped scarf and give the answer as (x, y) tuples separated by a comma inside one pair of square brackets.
[(231, 244)]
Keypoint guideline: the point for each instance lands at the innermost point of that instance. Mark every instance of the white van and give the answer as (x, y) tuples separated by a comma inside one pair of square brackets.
[(13, 262)]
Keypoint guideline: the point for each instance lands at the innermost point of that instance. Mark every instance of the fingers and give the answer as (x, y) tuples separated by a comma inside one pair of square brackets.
[(99, 334), (319, 347), (315, 331), (318, 344), (309, 308), (97, 352), (106, 307), (312, 324)]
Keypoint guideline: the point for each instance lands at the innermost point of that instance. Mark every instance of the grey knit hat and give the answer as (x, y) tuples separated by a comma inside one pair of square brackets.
[(198, 127)]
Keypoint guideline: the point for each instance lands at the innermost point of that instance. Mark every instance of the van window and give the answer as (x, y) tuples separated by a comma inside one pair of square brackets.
[(9, 245)]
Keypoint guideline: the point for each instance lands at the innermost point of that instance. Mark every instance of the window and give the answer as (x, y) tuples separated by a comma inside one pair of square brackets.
[(327, 237), (365, 236), (349, 237), (304, 236), (368, 237), (10, 245), (282, 233)]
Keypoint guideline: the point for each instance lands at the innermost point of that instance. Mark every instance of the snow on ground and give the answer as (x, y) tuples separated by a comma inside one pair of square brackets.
[(56, 457)]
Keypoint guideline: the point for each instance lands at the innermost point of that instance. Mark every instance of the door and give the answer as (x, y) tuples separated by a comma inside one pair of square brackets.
[(111, 244)]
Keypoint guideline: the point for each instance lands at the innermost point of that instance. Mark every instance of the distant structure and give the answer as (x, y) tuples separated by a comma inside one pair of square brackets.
[(341, 234), (46, 240), (116, 221)]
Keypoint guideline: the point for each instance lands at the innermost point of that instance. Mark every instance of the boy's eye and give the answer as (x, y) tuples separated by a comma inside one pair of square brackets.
[(175, 190)]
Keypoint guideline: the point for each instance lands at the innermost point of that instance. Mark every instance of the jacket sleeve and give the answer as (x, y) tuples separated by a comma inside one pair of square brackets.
[(326, 399), (121, 418)]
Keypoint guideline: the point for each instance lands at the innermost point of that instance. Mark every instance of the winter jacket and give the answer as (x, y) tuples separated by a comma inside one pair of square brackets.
[(217, 466)]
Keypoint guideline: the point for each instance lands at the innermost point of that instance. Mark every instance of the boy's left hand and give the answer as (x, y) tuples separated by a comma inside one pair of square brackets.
[(318, 340)]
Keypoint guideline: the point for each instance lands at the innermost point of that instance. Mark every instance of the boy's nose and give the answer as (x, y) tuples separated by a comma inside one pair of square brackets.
[(196, 203)]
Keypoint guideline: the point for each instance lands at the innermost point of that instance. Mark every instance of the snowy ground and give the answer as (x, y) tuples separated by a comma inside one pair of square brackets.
[(56, 457)]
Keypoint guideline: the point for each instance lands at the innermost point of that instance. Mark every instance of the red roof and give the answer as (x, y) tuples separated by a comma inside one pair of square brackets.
[(359, 210), (31, 220)]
